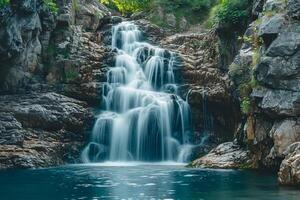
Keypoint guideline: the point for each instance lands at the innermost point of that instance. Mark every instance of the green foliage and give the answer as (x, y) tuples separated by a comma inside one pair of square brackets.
[(255, 58), (3, 3), (51, 50), (127, 6), (245, 91), (191, 5), (298, 29), (71, 75), (194, 11), (234, 13), (211, 20), (52, 5), (246, 106), (75, 4)]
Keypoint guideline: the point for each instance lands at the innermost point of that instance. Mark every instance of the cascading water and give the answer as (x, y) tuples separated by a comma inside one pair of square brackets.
[(143, 119)]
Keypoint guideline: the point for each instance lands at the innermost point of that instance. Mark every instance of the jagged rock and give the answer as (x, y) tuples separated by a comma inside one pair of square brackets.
[(279, 73), (40, 130), (154, 33), (240, 70), (293, 8), (89, 92), (284, 134), (34, 52), (289, 173), (261, 130), (226, 156), (20, 47), (89, 14), (81, 55), (281, 103), (274, 6), (271, 25), (25, 6), (66, 17), (171, 20), (286, 44), (183, 24), (257, 7)]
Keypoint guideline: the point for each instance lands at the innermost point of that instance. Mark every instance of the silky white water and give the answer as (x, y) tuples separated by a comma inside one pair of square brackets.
[(142, 118)]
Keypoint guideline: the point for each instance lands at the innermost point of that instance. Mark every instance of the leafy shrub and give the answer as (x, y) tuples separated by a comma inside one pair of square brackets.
[(4, 3), (211, 20), (194, 11), (234, 13), (194, 5), (51, 4), (71, 75), (245, 91), (246, 106), (127, 6)]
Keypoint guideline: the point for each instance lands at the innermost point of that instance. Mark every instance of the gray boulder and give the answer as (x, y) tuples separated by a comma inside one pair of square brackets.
[(226, 156), (281, 103), (289, 173), (293, 8), (279, 72), (271, 25), (284, 133), (286, 44)]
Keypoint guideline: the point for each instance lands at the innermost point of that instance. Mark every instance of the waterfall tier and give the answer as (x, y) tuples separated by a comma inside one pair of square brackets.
[(142, 118)]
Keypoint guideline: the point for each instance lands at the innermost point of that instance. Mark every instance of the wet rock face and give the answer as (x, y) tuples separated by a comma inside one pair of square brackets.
[(41, 53), (20, 44), (204, 85), (41, 130)]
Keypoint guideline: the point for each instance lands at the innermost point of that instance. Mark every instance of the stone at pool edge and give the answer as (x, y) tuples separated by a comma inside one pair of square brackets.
[(226, 156), (289, 173)]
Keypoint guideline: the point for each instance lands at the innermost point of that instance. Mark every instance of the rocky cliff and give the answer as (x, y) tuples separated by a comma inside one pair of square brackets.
[(45, 57), (265, 74)]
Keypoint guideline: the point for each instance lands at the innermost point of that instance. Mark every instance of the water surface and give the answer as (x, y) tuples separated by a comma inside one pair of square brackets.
[(131, 181)]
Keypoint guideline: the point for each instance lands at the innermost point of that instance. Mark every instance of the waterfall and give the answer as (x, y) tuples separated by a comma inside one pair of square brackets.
[(207, 116), (142, 118)]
